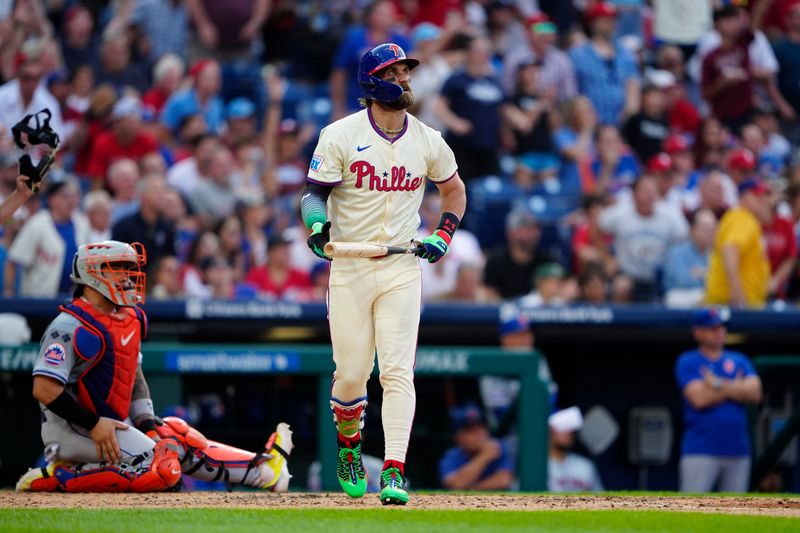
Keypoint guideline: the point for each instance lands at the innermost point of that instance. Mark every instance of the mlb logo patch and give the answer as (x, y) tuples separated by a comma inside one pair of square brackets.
[(316, 163), (55, 354)]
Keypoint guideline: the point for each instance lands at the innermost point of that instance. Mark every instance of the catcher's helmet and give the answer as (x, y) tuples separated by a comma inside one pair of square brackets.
[(113, 269), (376, 59)]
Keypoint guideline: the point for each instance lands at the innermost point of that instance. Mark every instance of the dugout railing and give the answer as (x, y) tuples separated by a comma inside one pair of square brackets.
[(166, 364)]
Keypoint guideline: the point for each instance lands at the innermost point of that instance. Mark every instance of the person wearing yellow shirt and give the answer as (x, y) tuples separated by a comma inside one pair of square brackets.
[(739, 271)]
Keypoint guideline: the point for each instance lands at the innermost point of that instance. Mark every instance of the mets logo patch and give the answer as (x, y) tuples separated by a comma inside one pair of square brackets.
[(55, 354), (316, 163)]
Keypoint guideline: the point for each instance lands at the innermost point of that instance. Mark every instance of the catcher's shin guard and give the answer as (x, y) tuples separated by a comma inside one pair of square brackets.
[(155, 471), (349, 416), (213, 461)]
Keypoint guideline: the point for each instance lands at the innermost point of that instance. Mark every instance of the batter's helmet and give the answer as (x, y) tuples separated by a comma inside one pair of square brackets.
[(376, 59)]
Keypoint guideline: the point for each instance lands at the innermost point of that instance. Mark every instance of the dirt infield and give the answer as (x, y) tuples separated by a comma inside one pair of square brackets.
[(256, 500)]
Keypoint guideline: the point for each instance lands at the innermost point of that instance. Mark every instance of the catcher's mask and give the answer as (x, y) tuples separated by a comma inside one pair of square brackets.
[(40, 135), (113, 269)]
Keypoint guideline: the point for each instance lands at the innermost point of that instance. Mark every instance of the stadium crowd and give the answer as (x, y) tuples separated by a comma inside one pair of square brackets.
[(613, 151)]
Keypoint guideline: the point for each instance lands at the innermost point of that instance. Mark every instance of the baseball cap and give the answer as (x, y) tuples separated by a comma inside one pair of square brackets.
[(710, 317), (661, 162), (660, 79), (541, 24), (549, 270), (600, 10), (515, 323), (754, 185), (240, 108), (468, 414), (425, 31), (741, 159), (726, 11), (675, 144), (277, 240), (59, 75), (127, 106), (519, 217), (565, 420)]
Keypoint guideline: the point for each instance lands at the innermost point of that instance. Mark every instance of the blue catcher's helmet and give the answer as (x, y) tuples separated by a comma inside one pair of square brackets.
[(378, 58)]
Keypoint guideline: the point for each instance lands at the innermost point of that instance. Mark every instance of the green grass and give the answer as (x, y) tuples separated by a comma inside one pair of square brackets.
[(382, 520)]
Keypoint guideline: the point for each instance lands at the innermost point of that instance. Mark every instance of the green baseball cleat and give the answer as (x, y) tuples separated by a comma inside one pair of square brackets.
[(393, 487), (350, 470)]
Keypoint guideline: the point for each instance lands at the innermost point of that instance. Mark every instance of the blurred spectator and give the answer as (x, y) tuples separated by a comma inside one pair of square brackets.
[(202, 97), (716, 385), (781, 244), (503, 28), (167, 76), (379, 27), (509, 268), (713, 190), (148, 225), (647, 130), (643, 230), (213, 197), (226, 31), (470, 106), (530, 114), (123, 179), (549, 287), (683, 95), (787, 52), (739, 273), (590, 245), (686, 266), (614, 168), (669, 190), (568, 471), (320, 278), (115, 65), (740, 164), (710, 143), (556, 72), (27, 95), (606, 73), (221, 281), (593, 286), (97, 206), (166, 279), (255, 214), (241, 120), (777, 150), (82, 84), (229, 232), (186, 226), (575, 144), (78, 40), (127, 138), (440, 53), (194, 282), (276, 279), (165, 24), (727, 79), (676, 147), (468, 286), (441, 278), (40, 258), (477, 462), (185, 175), (58, 84)]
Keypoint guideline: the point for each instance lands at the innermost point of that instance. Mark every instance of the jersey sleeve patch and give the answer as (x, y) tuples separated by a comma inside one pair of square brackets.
[(316, 163), (55, 354)]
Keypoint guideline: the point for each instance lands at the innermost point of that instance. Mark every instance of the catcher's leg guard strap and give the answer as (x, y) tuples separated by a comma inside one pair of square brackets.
[(349, 416)]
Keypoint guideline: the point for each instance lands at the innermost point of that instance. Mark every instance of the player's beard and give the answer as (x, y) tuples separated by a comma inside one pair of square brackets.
[(406, 100)]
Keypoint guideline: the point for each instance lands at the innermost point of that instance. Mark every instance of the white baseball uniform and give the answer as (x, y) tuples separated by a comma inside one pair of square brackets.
[(378, 184)]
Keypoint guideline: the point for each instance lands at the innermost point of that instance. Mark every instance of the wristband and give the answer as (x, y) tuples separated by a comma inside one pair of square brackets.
[(70, 410), (448, 224)]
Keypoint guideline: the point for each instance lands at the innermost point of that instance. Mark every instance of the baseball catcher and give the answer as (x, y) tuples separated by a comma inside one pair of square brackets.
[(98, 425)]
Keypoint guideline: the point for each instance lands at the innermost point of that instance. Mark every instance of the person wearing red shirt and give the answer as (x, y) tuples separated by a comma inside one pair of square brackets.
[(781, 250), (727, 79), (590, 246), (276, 279), (126, 138)]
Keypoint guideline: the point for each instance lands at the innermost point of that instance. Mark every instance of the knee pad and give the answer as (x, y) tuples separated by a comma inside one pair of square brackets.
[(349, 416), (186, 436)]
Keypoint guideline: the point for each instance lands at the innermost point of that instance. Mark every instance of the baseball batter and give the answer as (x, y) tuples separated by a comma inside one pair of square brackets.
[(98, 425), (365, 184)]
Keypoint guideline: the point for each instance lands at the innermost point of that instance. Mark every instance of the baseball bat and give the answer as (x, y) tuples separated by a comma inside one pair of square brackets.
[(367, 249)]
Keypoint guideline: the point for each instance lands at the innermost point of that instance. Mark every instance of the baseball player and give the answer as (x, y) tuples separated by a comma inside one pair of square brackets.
[(365, 184), (98, 425)]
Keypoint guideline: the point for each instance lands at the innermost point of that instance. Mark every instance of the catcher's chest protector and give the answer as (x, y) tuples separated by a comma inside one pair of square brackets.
[(111, 346)]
